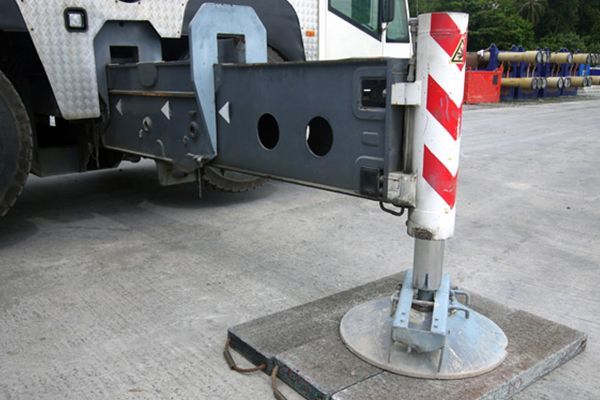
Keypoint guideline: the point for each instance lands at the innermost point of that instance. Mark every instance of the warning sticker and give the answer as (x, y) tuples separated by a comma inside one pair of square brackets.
[(459, 54)]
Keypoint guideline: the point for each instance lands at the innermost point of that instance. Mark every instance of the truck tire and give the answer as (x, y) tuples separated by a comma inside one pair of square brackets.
[(16, 145), (234, 182), (230, 181)]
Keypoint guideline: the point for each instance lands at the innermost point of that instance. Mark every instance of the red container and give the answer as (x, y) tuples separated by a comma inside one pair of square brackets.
[(483, 86)]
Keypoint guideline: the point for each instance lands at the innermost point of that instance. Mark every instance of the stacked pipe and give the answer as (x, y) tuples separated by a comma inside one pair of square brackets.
[(584, 58), (581, 69), (540, 73), (534, 83), (556, 71), (556, 82), (522, 71), (531, 57), (561, 58), (581, 81)]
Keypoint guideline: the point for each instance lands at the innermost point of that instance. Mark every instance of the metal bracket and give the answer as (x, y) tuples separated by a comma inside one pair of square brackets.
[(402, 189), (210, 21), (416, 330), (425, 331), (407, 94)]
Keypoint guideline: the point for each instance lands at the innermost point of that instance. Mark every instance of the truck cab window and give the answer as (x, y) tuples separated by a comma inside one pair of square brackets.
[(362, 13), (398, 28)]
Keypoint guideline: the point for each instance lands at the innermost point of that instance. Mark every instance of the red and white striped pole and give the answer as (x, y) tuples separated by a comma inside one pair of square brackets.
[(422, 318), (441, 64)]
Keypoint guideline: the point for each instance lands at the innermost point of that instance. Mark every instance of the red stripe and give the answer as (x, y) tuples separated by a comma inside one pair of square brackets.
[(443, 109), (440, 179), (447, 34)]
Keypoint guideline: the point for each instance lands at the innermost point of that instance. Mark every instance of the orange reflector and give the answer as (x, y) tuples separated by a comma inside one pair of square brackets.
[(310, 33)]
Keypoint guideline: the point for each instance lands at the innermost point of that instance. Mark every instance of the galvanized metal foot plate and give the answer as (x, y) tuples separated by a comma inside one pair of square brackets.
[(474, 345)]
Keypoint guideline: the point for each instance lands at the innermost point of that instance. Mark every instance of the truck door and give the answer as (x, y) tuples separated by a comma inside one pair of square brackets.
[(352, 28)]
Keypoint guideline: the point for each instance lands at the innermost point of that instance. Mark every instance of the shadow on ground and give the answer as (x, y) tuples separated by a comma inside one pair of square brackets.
[(79, 197)]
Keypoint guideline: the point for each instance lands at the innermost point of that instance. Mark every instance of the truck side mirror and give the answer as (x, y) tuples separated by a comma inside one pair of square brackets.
[(386, 10)]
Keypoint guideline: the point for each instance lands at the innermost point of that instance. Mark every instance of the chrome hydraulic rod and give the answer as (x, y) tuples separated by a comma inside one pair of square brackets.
[(428, 263)]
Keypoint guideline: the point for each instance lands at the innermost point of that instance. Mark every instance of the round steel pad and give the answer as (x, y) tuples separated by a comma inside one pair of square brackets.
[(474, 346)]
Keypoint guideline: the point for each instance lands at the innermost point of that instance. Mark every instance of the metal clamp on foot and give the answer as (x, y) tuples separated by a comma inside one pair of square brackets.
[(421, 325)]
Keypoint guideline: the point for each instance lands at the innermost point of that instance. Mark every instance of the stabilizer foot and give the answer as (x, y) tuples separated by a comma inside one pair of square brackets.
[(474, 345)]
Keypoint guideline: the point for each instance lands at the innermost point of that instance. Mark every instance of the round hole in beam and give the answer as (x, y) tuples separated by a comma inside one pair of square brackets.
[(268, 131), (319, 136)]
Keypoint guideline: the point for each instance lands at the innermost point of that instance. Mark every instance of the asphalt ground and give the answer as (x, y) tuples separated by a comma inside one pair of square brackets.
[(112, 287)]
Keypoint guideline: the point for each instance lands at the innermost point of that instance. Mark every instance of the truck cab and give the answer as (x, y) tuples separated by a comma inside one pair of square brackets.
[(337, 29)]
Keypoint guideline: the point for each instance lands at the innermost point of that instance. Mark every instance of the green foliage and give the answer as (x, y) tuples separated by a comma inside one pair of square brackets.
[(533, 10), (589, 24), (574, 24), (561, 16), (558, 41), (501, 28)]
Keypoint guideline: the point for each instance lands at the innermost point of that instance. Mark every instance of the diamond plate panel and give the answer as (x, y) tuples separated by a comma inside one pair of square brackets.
[(68, 57), (308, 14)]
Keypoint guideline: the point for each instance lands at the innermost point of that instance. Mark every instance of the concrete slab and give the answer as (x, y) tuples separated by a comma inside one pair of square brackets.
[(112, 287), (304, 342)]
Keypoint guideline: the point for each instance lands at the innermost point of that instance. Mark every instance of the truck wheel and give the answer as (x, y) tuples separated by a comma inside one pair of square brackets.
[(229, 181), (16, 145)]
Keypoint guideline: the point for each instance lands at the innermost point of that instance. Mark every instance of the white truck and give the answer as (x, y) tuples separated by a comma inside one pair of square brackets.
[(56, 108), (204, 90)]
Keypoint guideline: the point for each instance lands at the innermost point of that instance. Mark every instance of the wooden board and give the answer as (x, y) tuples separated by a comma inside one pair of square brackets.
[(304, 341)]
